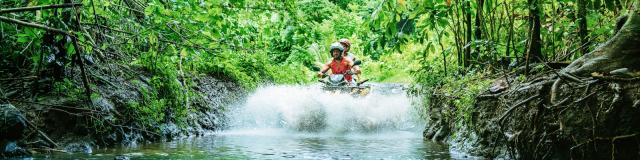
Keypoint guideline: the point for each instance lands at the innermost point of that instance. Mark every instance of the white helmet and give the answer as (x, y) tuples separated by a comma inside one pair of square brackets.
[(337, 46)]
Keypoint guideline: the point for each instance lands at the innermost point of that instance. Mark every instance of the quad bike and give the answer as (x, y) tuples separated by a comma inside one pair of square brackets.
[(337, 84)]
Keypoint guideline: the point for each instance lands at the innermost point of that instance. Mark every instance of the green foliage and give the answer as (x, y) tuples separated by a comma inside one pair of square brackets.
[(68, 88), (467, 89), (395, 67), (169, 94), (149, 115), (315, 10), (150, 112), (250, 70), (345, 3)]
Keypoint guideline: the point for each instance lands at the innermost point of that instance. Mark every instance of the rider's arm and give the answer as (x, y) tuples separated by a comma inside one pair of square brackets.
[(350, 62), (355, 68), (324, 69)]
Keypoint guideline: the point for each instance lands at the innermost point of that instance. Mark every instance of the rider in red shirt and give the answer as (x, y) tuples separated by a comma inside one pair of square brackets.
[(339, 64)]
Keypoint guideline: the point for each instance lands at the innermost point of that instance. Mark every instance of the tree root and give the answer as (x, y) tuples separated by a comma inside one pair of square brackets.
[(578, 128), (488, 96), (504, 115), (612, 78), (103, 79), (49, 150), (535, 132), (584, 98), (559, 103), (554, 90), (571, 77), (558, 82), (617, 89), (611, 139), (613, 143)]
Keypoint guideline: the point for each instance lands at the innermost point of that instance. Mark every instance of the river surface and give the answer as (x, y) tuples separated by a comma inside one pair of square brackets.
[(293, 122)]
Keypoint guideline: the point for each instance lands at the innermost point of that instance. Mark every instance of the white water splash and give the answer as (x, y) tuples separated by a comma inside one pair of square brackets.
[(310, 109)]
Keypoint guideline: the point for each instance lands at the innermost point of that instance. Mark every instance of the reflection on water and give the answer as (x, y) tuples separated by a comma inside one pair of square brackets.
[(281, 144)]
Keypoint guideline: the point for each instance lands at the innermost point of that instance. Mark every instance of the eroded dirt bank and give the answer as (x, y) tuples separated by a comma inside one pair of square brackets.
[(54, 116), (554, 116)]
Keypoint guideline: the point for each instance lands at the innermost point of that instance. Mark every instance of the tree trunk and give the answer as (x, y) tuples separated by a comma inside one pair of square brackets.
[(582, 27), (510, 16), (467, 46), (534, 53), (621, 51), (478, 28), (456, 31)]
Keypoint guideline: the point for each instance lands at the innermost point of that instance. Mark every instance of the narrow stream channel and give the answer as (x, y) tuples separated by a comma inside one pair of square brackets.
[(291, 122)]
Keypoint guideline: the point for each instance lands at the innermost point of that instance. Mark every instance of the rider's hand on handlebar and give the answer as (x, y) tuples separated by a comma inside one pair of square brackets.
[(321, 75)]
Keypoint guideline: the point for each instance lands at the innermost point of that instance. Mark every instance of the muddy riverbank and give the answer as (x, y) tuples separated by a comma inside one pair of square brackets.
[(56, 117), (546, 117)]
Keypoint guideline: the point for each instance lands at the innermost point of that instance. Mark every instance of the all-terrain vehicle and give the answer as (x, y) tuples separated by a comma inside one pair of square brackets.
[(337, 84)]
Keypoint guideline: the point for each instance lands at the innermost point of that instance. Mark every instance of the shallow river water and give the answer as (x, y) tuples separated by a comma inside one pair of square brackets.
[(255, 144), (289, 122)]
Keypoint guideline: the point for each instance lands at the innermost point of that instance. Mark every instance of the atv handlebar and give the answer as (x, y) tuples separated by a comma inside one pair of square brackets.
[(361, 82)]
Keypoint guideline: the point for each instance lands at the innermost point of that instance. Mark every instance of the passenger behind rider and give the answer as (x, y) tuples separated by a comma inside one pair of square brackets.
[(338, 64), (347, 46)]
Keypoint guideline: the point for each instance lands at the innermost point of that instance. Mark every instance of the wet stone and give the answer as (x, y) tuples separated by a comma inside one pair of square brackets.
[(170, 130), (121, 157), (12, 123), (102, 104), (11, 149), (79, 148), (12, 127)]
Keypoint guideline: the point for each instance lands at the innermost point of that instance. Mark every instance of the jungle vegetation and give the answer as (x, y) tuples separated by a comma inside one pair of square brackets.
[(454, 45)]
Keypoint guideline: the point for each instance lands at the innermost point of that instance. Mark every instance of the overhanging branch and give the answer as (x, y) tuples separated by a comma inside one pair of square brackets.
[(36, 8), (34, 25)]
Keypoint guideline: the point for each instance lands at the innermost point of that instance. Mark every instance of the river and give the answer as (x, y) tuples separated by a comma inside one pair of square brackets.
[(296, 122)]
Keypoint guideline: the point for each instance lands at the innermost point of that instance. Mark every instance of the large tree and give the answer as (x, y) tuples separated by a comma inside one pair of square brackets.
[(534, 48), (582, 26), (621, 51)]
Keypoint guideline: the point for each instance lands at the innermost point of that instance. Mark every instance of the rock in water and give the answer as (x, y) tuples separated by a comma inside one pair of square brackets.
[(12, 126), (11, 149), (121, 157), (79, 147), (12, 123)]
